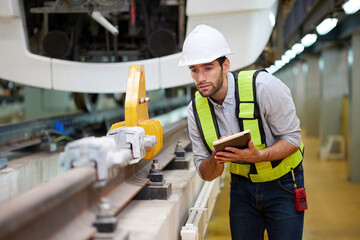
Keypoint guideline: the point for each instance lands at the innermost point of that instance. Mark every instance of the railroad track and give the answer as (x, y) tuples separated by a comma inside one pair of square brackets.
[(67, 206)]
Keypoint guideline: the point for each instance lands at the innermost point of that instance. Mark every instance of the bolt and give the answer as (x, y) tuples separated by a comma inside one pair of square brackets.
[(155, 166), (144, 100), (104, 207), (105, 222), (179, 151), (179, 145), (155, 174), (149, 141), (90, 6)]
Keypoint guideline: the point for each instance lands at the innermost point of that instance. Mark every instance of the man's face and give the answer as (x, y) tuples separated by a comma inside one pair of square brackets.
[(208, 77)]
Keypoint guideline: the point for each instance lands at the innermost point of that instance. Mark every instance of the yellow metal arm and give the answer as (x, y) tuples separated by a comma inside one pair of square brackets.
[(136, 110)]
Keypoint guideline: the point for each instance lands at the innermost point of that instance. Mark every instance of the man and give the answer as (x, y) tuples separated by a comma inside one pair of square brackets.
[(226, 103)]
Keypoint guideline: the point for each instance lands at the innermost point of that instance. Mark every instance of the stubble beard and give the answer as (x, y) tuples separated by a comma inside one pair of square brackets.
[(216, 86)]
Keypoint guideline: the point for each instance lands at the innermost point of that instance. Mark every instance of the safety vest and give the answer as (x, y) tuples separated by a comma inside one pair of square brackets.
[(247, 110)]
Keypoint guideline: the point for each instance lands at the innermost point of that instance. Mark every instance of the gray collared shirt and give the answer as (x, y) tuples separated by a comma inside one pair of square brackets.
[(277, 110)]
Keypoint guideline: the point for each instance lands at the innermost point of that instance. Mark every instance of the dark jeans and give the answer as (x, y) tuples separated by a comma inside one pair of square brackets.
[(255, 207)]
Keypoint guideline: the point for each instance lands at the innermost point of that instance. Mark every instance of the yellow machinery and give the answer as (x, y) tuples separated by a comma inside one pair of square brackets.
[(136, 110), (126, 142)]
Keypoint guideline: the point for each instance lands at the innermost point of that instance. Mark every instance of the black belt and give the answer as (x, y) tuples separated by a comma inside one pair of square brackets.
[(298, 168)]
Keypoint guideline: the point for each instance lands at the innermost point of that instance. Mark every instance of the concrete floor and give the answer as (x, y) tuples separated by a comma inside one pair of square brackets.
[(334, 202)]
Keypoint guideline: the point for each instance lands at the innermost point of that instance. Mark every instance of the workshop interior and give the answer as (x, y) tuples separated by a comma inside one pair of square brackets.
[(94, 141)]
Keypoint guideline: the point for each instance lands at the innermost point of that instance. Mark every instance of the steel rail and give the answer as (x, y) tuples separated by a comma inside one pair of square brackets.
[(18, 135), (65, 205)]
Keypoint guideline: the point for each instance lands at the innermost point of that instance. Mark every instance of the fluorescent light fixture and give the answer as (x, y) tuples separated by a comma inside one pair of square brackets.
[(309, 39), (290, 54), (351, 6), (285, 59), (272, 69), (326, 26), (297, 48), (279, 63)]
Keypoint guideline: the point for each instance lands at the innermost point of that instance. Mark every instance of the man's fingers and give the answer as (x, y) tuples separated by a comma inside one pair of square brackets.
[(251, 144)]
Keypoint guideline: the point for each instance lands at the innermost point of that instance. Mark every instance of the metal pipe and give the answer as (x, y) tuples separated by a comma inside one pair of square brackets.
[(181, 32), (105, 23)]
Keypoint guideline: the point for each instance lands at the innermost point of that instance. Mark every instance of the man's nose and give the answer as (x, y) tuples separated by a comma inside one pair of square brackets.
[(201, 76)]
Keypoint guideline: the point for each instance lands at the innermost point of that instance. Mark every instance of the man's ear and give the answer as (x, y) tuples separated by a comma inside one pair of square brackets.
[(226, 66)]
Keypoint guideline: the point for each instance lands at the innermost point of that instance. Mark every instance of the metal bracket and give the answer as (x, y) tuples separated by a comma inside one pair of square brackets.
[(180, 161), (158, 188), (151, 192), (106, 223)]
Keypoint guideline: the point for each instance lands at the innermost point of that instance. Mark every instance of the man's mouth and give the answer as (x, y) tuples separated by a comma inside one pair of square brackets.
[(203, 86)]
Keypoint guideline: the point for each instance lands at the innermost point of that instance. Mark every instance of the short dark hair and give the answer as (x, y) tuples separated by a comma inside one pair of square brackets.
[(221, 60)]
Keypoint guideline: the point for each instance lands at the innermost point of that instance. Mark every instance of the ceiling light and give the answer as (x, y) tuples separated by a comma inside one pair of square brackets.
[(326, 26), (351, 6), (272, 69), (290, 54), (279, 63), (309, 39), (297, 48), (285, 59)]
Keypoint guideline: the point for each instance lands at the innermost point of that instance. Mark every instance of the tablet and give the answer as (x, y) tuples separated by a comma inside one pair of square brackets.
[(238, 140)]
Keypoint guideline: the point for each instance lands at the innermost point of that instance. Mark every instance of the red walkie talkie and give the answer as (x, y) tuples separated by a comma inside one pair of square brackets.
[(299, 196)]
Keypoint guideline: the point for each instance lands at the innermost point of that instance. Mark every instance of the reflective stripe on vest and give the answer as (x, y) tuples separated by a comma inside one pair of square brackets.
[(249, 118), (204, 113)]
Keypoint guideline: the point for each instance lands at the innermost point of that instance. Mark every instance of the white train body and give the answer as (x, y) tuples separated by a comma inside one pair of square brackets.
[(247, 25)]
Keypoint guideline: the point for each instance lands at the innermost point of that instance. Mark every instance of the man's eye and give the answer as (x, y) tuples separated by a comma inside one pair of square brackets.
[(193, 71), (208, 68)]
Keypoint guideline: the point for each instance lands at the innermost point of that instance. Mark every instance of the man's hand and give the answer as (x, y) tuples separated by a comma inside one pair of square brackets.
[(232, 154), (210, 168), (281, 149)]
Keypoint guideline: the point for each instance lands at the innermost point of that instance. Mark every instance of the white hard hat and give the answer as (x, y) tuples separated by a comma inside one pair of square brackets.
[(204, 44)]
